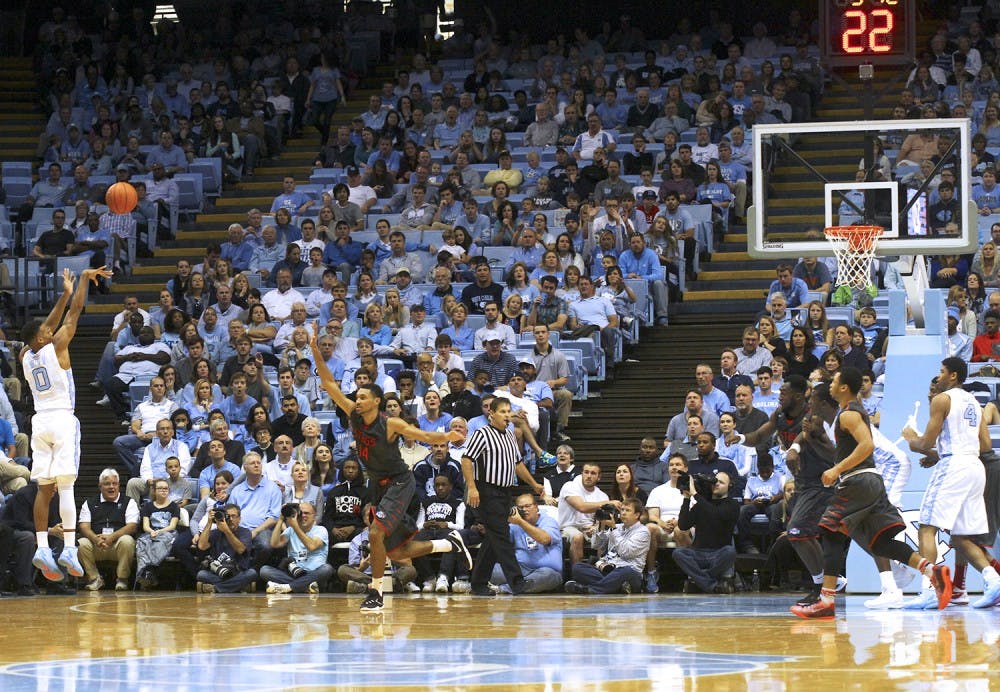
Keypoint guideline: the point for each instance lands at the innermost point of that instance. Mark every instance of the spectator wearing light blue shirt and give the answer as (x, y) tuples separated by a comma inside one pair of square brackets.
[(986, 195), (529, 252), (259, 500), (168, 155), (267, 255), (713, 398), (295, 202), (374, 117), (307, 543), (386, 153), (612, 113), (796, 291), (682, 227), (639, 262), (446, 134), (217, 457), (236, 250)]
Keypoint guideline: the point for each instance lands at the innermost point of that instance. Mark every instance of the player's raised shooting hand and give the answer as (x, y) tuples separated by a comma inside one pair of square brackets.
[(92, 275), (67, 277)]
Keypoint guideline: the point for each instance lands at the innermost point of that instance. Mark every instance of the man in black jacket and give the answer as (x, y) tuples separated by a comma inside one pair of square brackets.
[(17, 538), (709, 463), (460, 401), (710, 559)]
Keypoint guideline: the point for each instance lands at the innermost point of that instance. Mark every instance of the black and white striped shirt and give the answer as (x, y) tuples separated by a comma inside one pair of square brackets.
[(495, 455)]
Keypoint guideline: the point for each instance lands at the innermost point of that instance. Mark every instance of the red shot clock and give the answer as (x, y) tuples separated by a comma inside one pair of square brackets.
[(853, 32)]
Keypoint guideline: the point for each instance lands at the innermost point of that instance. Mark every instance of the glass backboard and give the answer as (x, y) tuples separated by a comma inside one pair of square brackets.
[(809, 176)]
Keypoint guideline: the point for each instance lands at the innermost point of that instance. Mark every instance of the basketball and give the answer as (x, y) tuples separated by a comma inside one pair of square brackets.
[(121, 198)]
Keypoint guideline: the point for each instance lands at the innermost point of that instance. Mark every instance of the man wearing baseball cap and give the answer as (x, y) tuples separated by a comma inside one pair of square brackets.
[(362, 195), (498, 363)]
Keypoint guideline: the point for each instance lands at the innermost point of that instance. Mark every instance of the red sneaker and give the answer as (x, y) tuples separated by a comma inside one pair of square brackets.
[(941, 579), (820, 610)]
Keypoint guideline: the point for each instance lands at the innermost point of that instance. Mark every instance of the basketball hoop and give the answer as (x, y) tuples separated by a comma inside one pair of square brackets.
[(854, 247)]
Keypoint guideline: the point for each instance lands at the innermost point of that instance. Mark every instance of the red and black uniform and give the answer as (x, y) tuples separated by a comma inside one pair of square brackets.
[(811, 496), (392, 485), (860, 507)]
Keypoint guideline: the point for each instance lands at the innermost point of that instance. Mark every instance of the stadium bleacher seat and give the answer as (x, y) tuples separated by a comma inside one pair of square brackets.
[(210, 170), (16, 190), (191, 193)]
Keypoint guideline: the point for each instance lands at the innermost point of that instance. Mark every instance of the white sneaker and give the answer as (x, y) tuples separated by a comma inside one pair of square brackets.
[(959, 598), (104, 401), (441, 585), (461, 586), (891, 598), (925, 600), (411, 587), (275, 587), (429, 586), (841, 584), (95, 585)]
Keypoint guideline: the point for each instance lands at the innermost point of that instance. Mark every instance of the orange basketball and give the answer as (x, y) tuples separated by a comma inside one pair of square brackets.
[(121, 198)]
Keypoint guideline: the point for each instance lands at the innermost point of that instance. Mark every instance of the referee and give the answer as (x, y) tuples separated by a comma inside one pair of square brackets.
[(491, 465)]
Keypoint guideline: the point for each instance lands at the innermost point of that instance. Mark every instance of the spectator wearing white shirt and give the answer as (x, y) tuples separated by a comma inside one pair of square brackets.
[(154, 460), (703, 151), (416, 337), (663, 506), (595, 137), (280, 301), (362, 195), (578, 500), (491, 311)]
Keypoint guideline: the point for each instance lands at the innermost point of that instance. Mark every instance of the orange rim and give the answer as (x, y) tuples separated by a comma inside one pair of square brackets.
[(858, 237)]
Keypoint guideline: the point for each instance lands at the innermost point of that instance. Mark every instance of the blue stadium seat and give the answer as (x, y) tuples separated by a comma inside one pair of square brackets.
[(210, 170), (191, 193), (17, 190)]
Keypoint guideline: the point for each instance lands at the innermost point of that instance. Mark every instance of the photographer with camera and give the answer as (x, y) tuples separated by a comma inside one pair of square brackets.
[(710, 559), (624, 548), (307, 542), (537, 548), (227, 568)]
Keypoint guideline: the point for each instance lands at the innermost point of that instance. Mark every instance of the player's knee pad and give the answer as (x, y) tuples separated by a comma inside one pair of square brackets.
[(886, 545), (833, 548)]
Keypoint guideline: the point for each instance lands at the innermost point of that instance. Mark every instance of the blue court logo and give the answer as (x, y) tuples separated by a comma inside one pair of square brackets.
[(368, 663)]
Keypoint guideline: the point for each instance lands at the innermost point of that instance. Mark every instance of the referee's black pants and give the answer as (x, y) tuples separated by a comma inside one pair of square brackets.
[(494, 508)]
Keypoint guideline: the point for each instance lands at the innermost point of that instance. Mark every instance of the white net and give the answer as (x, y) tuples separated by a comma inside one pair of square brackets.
[(854, 247)]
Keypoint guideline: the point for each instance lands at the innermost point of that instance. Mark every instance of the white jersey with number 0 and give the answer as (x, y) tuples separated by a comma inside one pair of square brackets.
[(960, 432), (51, 386)]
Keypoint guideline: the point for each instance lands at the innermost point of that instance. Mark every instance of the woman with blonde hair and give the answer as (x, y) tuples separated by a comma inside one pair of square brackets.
[(303, 452), (395, 314), (303, 490), (374, 327)]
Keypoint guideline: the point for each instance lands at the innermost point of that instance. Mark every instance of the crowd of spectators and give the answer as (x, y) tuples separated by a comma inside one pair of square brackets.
[(215, 383)]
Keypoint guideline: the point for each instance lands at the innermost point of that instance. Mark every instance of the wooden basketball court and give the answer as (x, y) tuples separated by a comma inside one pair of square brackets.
[(185, 641)]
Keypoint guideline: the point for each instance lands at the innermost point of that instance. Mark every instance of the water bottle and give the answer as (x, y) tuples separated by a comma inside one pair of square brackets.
[(755, 581)]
